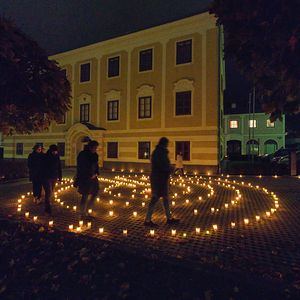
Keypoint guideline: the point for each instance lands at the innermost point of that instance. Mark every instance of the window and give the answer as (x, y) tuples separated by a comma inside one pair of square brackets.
[(145, 60), (234, 147), (112, 150), (144, 150), (252, 123), (183, 103), (85, 74), (252, 147), (270, 124), (84, 113), (114, 66), (184, 52), (144, 107), (270, 146), (234, 124), (19, 149), (61, 149), (184, 147), (113, 110)]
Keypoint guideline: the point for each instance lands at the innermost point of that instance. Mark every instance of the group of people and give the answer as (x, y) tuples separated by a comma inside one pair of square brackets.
[(45, 170)]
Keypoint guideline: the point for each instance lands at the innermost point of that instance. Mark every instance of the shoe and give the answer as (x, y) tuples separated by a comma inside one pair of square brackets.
[(150, 224), (172, 221)]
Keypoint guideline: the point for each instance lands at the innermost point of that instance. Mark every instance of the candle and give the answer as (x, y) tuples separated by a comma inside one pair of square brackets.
[(19, 200), (268, 214), (111, 201), (71, 227), (50, 223), (226, 205), (173, 203), (74, 208), (132, 196), (257, 218), (89, 224), (195, 211), (125, 232), (134, 213), (80, 223), (127, 203), (101, 230), (215, 226), (173, 231), (152, 232), (246, 221), (23, 197), (197, 230), (78, 229), (212, 209), (34, 218), (90, 211), (111, 213), (232, 224), (187, 200), (27, 214), (200, 198)]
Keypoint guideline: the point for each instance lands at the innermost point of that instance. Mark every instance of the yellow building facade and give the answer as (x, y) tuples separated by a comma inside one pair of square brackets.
[(130, 91)]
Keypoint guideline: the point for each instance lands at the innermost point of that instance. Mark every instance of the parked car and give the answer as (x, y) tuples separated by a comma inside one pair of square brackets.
[(280, 153), (284, 161)]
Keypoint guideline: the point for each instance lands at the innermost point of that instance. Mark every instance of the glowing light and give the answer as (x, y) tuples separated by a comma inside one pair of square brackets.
[(246, 221), (50, 223), (197, 230), (195, 211), (71, 227), (124, 232), (257, 218), (80, 223), (215, 226), (74, 208), (212, 209), (34, 218), (173, 232), (101, 230), (78, 229), (27, 214), (232, 224), (111, 213), (134, 213), (152, 232)]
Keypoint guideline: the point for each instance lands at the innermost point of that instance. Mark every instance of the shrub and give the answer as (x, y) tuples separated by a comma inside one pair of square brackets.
[(13, 169)]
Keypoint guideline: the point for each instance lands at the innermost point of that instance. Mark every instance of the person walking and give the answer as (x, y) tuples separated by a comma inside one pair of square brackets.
[(179, 163), (34, 163), (159, 179), (51, 172), (87, 172)]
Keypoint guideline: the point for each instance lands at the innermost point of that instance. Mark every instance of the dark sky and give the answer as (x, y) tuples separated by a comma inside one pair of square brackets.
[(62, 25)]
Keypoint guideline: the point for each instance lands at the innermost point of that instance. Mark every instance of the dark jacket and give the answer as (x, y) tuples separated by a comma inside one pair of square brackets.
[(51, 166), (160, 172), (87, 166), (34, 164)]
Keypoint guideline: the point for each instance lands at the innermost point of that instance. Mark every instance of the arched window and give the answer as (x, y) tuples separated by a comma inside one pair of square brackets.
[(270, 146), (252, 147)]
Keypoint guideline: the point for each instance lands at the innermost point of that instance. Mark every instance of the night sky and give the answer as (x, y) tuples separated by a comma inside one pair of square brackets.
[(62, 25)]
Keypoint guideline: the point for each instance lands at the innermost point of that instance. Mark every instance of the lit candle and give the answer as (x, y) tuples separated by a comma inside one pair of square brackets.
[(119, 195), (23, 197), (78, 229), (187, 200), (268, 214), (200, 198), (19, 200), (89, 224), (125, 232), (212, 209), (90, 211), (34, 218), (50, 223), (143, 203), (71, 227), (197, 230), (27, 214), (132, 196), (246, 221), (134, 213), (226, 205), (257, 218), (111, 213), (127, 203), (215, 226), (195, 211), (61, 203), (101, 230), (74, 208), (232, 224), (80, 223), (111, 201), (173, 231), (173, 203), (98, 199), (152, 232), (272, 210)]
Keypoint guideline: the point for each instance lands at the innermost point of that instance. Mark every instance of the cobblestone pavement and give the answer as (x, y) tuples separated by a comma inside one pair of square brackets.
[(239, 223)]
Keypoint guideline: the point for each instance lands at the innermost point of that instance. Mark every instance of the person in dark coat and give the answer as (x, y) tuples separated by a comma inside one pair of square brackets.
[(51, 172), (87, 172), (34, 164), (159, 179)]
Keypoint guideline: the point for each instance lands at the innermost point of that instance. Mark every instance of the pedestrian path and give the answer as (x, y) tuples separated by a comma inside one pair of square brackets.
[(243, 224)]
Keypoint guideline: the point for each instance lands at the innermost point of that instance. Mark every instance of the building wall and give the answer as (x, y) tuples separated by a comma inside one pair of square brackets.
[(201, 76), (261, 132)]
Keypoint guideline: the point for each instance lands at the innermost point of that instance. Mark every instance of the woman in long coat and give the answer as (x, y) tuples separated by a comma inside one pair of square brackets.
[(34, 164), (159, 178)]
